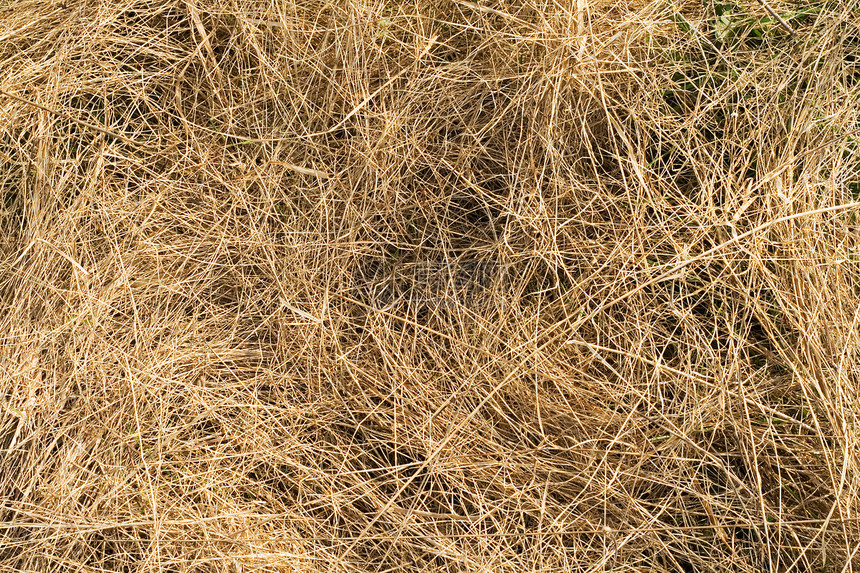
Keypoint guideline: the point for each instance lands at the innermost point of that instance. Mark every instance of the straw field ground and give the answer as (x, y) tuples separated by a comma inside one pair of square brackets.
[(429, 285)]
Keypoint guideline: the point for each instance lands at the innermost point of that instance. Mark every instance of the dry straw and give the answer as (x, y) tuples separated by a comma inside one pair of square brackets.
[(429, 286)]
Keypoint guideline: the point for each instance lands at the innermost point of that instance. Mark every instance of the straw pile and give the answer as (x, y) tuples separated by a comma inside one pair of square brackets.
[(429, 285)]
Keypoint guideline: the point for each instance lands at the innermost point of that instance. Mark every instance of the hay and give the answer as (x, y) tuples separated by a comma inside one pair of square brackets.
[(429, 286)]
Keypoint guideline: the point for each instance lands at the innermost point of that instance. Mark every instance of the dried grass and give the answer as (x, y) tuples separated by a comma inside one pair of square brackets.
[(429, 286)]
